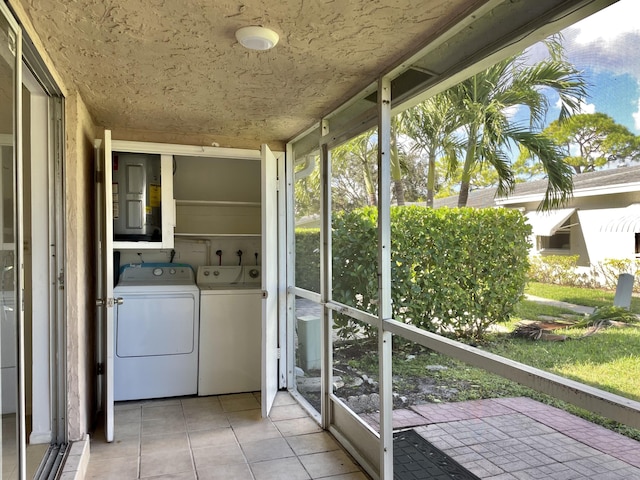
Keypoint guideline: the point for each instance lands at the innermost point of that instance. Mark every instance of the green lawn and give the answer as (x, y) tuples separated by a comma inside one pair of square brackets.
[(590, 297), (608, 359)]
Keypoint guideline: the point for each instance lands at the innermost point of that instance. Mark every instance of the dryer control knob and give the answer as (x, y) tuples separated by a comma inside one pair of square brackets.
[(207, 273), (172, 271), (157, 272)]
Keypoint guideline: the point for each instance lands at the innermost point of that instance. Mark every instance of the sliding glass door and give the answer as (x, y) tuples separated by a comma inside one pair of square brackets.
[(9, 277)]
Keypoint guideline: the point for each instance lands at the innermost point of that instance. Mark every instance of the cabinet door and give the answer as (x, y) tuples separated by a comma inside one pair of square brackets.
[(269, 279), (104, 288), (163, 195)]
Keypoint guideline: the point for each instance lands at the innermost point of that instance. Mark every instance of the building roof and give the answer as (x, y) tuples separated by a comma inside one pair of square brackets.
[(600, 182)]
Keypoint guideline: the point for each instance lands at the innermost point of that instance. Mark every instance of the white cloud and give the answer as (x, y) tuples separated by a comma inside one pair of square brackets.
[(587, 108), (608, 39), (609, 24), (582, 108), (511, 111)]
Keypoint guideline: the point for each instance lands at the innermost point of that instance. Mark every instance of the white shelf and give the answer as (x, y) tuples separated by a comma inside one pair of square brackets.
[(178, 234), (216, 203)]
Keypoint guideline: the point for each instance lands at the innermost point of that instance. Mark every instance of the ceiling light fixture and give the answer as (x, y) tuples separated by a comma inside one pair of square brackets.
[(257, 38)]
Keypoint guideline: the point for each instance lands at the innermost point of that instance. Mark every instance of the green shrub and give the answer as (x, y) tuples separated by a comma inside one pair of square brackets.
[(454, 271), (610, 269), (557, 269), (308, 258), (562, 270)]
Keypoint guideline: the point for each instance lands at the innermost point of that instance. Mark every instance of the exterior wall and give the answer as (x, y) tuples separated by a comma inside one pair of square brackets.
[(587, 240), (81, 267)]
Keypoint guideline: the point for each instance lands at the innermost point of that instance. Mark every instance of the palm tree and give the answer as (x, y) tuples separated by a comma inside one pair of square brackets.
[(396, 167), (485, 100), (358, 154), (431, 125)]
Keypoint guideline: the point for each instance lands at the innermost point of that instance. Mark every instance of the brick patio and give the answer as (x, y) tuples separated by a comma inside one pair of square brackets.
[(521, 439)]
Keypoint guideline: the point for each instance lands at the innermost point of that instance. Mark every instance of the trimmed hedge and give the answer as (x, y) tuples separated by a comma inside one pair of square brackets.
[(454, 271), (308, 259)]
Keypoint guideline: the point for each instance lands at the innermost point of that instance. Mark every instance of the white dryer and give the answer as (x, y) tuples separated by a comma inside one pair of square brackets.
[(156, 332)]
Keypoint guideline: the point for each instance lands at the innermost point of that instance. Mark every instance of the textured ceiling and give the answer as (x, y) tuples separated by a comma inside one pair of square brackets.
[(175, 66)]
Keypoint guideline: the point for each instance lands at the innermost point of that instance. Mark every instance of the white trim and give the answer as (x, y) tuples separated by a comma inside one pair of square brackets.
[(185, 150), (587, 192)]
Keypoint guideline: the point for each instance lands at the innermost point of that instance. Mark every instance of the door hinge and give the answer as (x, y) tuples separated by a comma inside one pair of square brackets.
[(279, 353), (99, 177), (100, 368)]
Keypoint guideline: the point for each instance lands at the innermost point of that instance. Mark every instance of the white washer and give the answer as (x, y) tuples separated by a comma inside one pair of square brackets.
[(156, 332), (230, 330)]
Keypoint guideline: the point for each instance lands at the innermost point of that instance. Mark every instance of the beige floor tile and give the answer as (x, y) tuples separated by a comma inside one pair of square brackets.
[(174, 476), (297, 426), (328, 463), (349, 476), (287, 412), (204, 419), (165, 462), (127, 431), (212, 438), (164, 443), (312, 443), (113, 468), (267, 450), (239, 402), (212, 403), (284, 398), (226, 472), (154, 402), (100, 450), (160, 426), (262, 430), (123, 417), (282, 468), (162, 411), (121, 406), (246, 417), (208, 457)]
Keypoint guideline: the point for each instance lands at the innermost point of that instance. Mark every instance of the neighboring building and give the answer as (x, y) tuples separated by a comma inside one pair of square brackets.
[(601, 220)]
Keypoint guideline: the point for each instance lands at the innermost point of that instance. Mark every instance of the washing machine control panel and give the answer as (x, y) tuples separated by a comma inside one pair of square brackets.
[(215, 277)]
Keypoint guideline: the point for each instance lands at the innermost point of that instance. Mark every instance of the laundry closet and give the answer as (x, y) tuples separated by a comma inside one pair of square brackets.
[(182, 250)]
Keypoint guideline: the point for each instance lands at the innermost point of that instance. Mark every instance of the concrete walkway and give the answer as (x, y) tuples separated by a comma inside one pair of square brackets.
[(556, 303)]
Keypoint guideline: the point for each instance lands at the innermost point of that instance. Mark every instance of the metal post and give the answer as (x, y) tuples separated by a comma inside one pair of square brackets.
[(384, 277)]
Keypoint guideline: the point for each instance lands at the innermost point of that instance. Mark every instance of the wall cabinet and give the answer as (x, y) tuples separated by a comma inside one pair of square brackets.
[(159, 191), (217, 196)]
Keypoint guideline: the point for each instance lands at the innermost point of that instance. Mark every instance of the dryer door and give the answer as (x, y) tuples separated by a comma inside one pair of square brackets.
[(149, 324)]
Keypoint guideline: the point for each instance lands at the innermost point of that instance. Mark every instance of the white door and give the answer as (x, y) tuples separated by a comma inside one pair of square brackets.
[(269, 279), (104, 218)]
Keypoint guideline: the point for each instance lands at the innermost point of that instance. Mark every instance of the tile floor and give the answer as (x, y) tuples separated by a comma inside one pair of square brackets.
[(225, 438), (220, 437), (9, 460)]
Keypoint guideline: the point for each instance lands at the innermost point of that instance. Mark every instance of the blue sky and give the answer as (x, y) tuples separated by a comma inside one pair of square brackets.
[(606, 46)]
